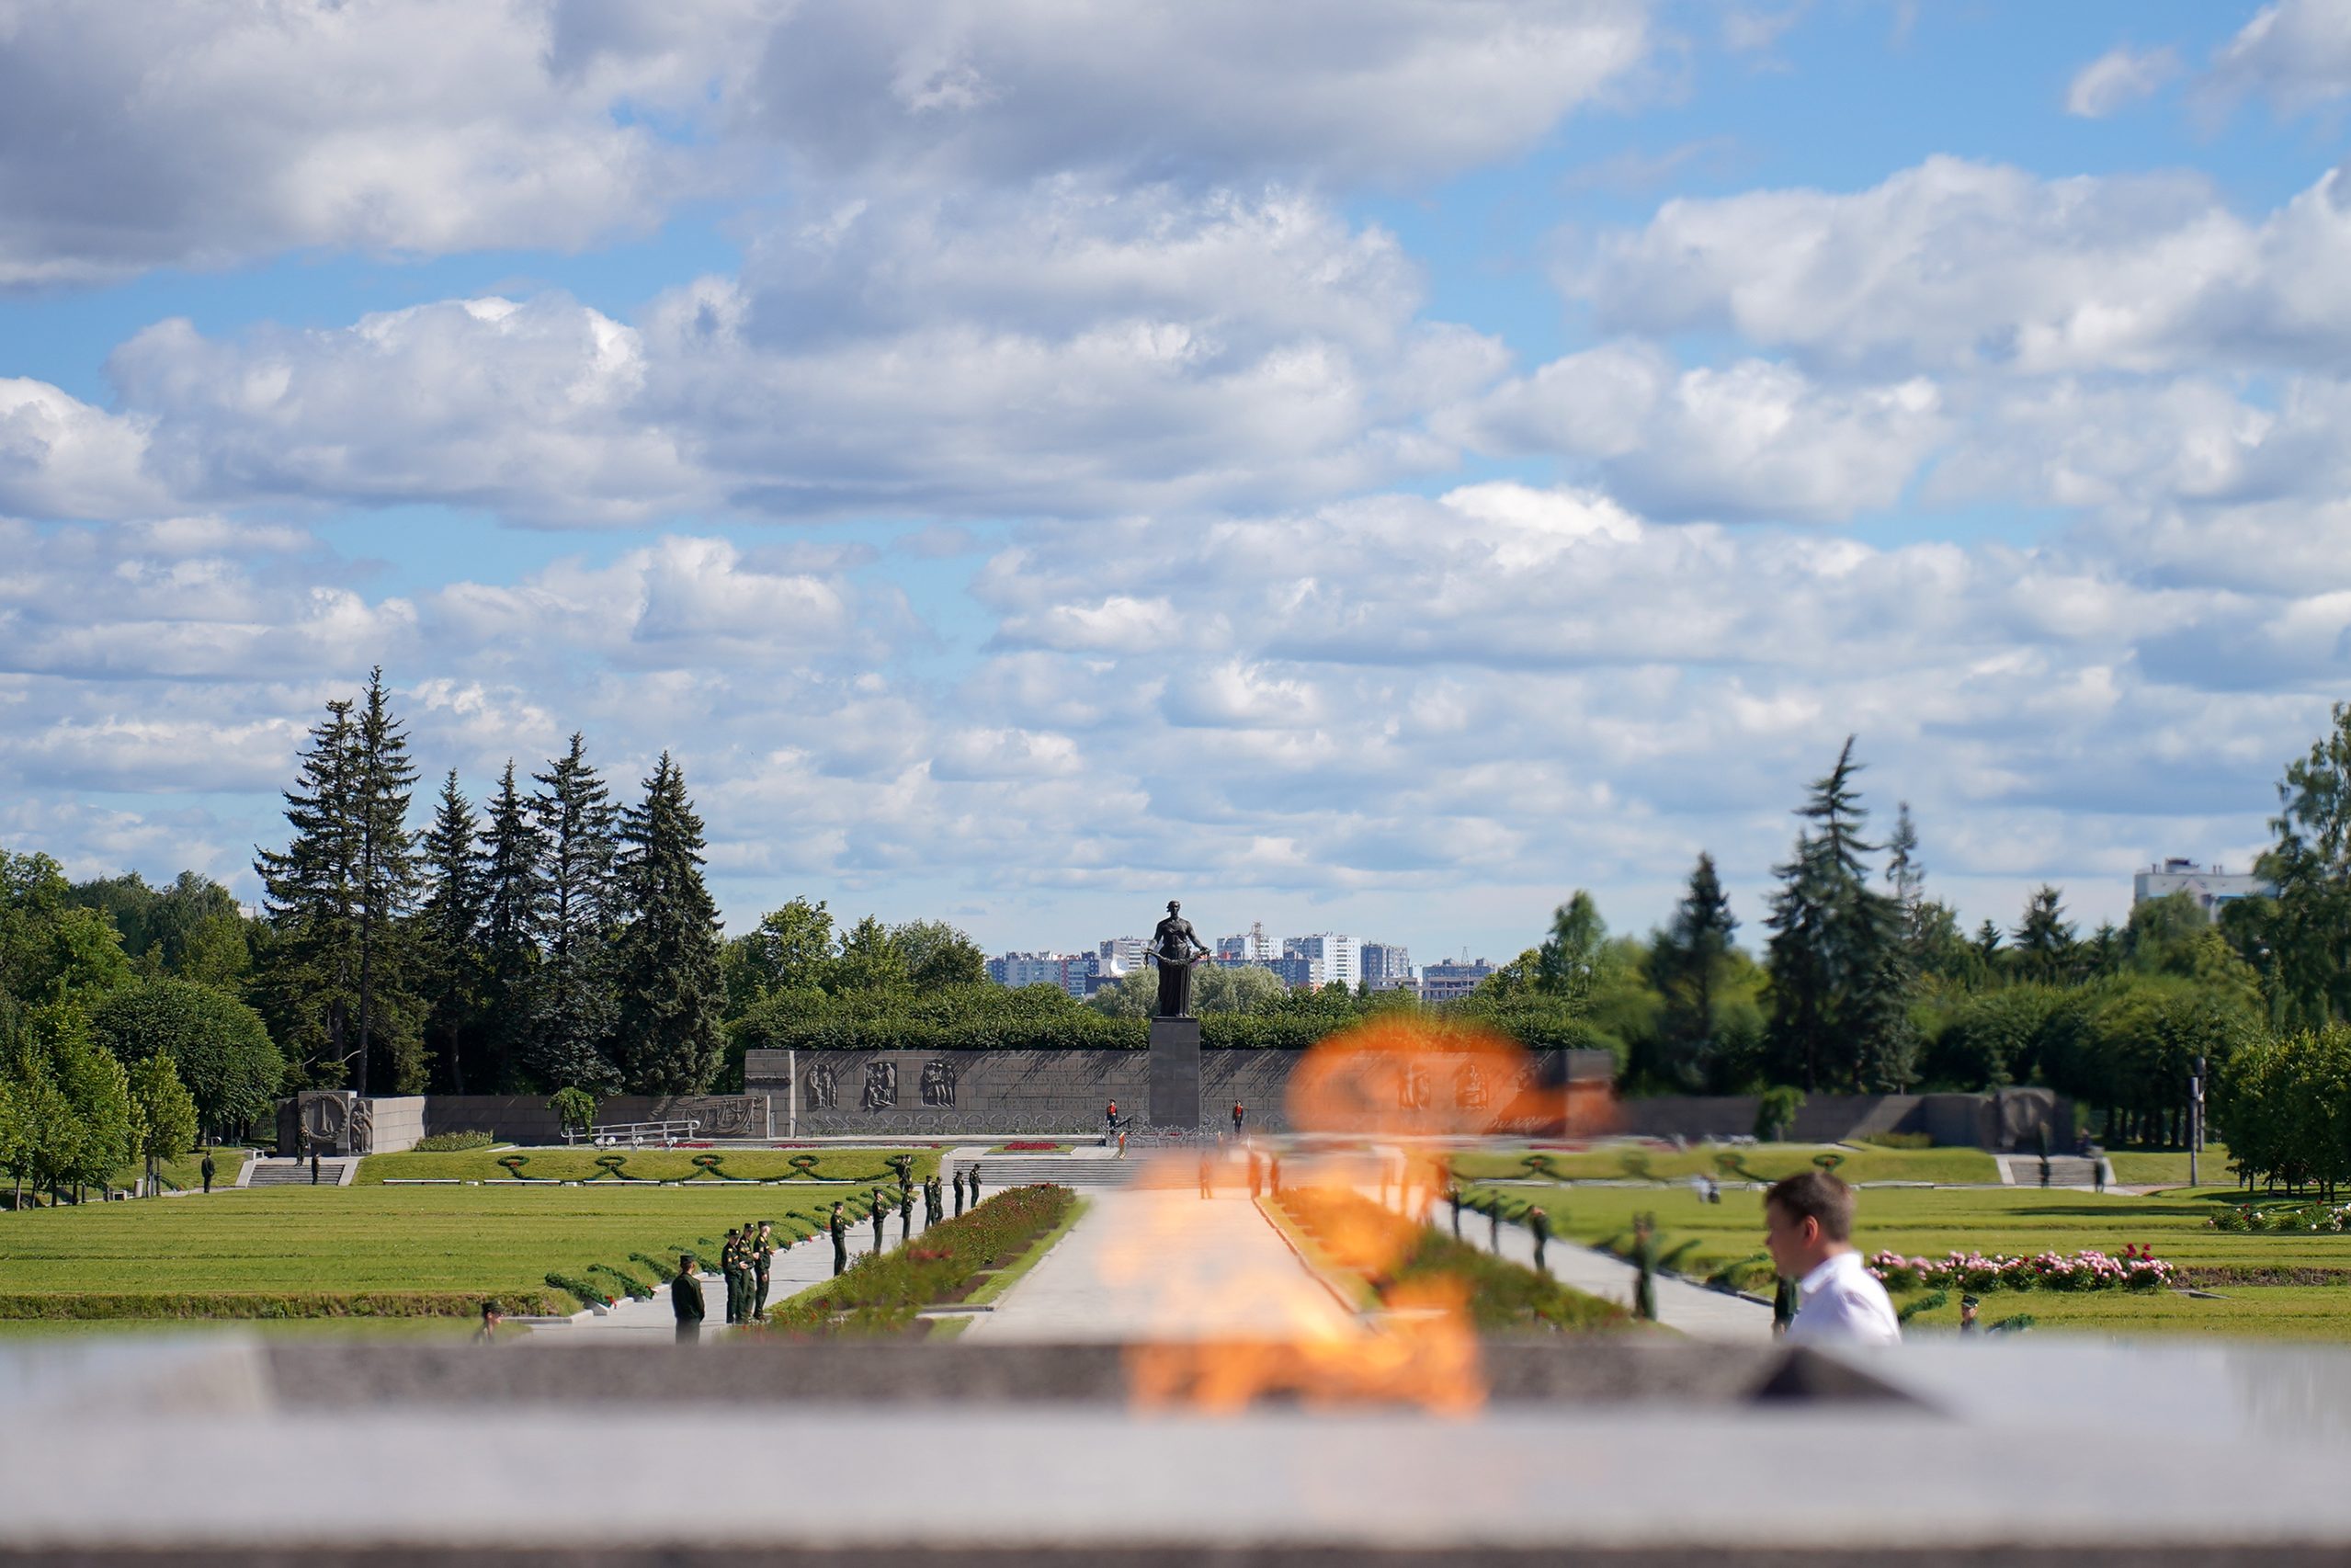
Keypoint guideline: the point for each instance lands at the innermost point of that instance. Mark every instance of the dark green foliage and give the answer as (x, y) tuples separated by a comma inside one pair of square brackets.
[(336, 977), (1840, 978), (2284, 1104), (2307, 929), (455, 969), (190, 930), (2044, 946), (671, 993), (514, 912), (452, 1142), (1686, 965), (572, 1005), (219, 1046)]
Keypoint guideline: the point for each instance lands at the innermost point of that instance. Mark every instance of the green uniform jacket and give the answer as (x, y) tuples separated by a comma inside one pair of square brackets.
[(686, 1298)]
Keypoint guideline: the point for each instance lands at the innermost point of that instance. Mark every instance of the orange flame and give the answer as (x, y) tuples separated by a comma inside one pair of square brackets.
[(1398, 1092)]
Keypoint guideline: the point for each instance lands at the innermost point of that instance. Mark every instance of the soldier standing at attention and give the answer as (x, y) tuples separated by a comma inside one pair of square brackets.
[(880, 1218), (958, 1194), (976, 1185), (730, 1257), (839, 1227), (905, 1214), (1494, 1224), (685, 1299), (762, 1258), (1540, 1223), (207, 1169)]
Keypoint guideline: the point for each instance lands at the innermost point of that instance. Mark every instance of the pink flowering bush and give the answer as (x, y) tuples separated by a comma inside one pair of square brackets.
[(2136, 1269)]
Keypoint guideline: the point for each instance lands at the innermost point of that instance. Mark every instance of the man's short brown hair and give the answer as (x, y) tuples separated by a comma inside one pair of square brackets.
[(1815, 1195)]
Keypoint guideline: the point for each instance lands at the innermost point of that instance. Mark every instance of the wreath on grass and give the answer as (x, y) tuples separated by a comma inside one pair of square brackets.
[(1828, 1161)]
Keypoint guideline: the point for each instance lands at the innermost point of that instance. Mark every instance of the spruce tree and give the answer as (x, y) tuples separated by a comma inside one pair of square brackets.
[(1840, 981), (2044, 937), (449, 929), (574, 1009), (514, 916), (672, 995), (1686, 965), (307, 980), (385, 867)]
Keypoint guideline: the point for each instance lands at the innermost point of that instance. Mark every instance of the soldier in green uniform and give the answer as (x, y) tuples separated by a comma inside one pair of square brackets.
[(880, 1218), (839, 1227), (976, 1185), (1783, 1306), (905, 1214), (1453, 1195), (958, 1194), (207, 1168), (763, 1253), (1493, 1223), (685, 1299), (731, 1270), (1540, 1223), (1644, 1257)]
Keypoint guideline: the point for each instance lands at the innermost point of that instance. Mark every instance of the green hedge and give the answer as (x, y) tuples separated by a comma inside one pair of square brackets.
[(82, 1305)]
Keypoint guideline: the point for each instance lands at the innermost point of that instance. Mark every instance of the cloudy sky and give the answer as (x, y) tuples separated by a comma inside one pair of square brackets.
[(1369, 465)]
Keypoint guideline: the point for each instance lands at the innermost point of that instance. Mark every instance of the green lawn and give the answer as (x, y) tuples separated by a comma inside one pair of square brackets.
[(1770, 1162), (374, 1251), (651, 1165), (2133, 1168), (1700, 1237)]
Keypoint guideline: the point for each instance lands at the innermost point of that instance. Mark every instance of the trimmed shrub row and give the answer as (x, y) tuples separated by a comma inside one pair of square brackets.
[(85, 1305), (881, 1293)]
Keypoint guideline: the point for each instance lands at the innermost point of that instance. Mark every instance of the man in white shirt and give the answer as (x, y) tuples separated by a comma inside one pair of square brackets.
[(1808, 1230)]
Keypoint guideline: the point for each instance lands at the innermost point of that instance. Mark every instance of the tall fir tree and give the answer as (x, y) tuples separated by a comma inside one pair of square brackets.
[(574, 1009), (391, 1013), (456, 968), (1840, 983), (306, 983), (514, 918), (671, 993), (1686, 965), (2044, 947)]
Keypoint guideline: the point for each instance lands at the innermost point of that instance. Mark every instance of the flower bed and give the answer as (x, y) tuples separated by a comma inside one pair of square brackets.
[(2136, 1269), (1030, 1145), (2334, 1217)]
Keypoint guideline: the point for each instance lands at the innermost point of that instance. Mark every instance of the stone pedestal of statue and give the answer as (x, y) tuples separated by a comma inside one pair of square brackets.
[(1175, 1073)]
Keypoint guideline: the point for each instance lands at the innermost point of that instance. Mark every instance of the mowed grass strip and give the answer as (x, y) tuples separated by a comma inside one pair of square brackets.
[(304, 1242), (870, 1166), (1770, 1162), (2007, 1220)]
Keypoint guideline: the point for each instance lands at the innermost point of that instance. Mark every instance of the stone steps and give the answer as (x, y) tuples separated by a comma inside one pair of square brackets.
[(295, 1173)]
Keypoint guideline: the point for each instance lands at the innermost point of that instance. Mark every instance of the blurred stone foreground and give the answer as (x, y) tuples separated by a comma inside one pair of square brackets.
[(224, 1450)]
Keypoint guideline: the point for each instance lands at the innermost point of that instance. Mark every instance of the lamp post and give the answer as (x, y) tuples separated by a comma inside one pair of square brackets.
[(2195, 1118)]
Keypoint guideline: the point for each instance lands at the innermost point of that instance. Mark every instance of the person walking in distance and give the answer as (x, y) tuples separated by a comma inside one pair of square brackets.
[(1808, 1230), (1493, 1223), (880, 1218), (1453, 1197), (839, 1227), (1240, 1114), (206, 1170), (685, 1299), (1539, 1223), (314, 1165), (1206, 1181), (1110, 1122)]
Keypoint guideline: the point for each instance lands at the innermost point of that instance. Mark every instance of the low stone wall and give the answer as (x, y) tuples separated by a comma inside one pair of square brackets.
[(918, 1093), (2005, 1119), (395, 1124)]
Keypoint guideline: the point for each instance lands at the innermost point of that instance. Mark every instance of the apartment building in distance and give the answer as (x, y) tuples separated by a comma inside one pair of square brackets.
[(1385, 965), (1079, 974), (2210, 885), (1448, 980), (1333, 956)]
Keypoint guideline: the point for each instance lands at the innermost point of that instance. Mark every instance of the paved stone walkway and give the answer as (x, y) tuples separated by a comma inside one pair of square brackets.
[(1692, 1309), (794, 1269), (1167, 1264)]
